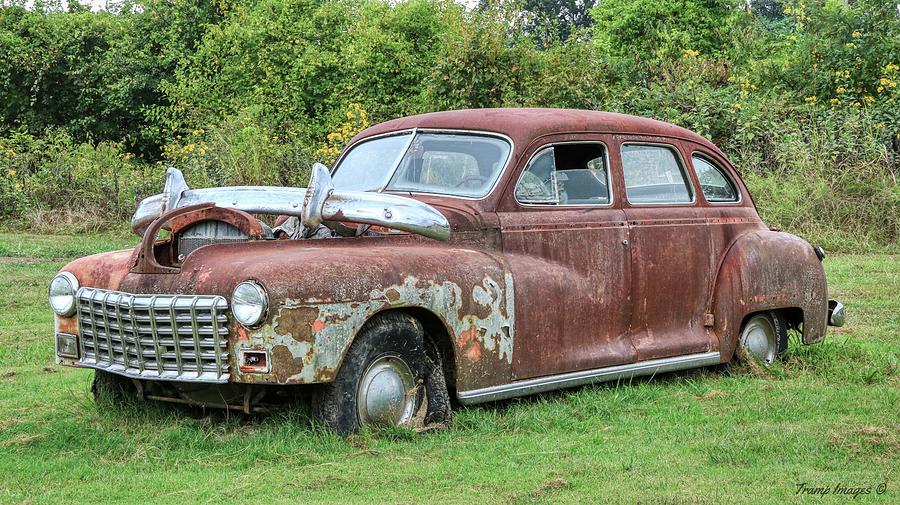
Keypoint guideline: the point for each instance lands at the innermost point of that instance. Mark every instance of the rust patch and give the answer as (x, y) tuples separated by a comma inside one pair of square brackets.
[(468, 342), (284, 364), (294, 321), (67, 325), (324, 374)]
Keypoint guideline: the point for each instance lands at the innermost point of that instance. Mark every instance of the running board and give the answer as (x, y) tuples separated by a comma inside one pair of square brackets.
[(572, 379)]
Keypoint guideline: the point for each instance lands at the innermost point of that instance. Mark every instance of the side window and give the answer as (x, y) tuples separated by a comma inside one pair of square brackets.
[(566, 174), (653, 174), (716, 186)]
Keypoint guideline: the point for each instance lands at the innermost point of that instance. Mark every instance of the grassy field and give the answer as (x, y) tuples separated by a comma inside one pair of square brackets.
[(826, 417)]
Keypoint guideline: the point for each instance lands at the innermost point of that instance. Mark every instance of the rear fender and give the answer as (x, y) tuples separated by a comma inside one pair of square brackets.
[(767, 270)]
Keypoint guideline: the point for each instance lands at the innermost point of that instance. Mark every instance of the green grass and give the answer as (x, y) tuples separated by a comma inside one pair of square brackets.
[(828, 415)]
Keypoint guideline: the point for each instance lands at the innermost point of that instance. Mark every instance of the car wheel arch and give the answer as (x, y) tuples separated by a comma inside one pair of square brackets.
[(763, 271)]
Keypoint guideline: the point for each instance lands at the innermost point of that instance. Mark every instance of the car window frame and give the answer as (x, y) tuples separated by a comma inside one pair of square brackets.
[(679, 158), (725, 173), (501, 174), (538, 151)]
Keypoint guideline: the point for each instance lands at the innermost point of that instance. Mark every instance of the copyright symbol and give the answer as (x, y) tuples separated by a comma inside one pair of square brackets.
[(882, 488)]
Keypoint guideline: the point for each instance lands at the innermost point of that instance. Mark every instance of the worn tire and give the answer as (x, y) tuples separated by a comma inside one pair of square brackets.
[(111, 389), (395, 336), (764, 336)]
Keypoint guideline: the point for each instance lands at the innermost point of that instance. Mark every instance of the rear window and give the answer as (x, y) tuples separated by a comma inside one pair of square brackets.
[(716, 186), (653, 174)]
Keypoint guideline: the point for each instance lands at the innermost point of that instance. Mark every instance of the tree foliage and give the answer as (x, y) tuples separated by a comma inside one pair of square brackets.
[(251, 91)]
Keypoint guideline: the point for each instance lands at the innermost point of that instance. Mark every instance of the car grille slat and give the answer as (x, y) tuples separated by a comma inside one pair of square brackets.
[(154, 336)]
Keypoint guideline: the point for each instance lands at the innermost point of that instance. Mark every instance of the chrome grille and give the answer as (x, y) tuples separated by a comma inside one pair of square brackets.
[(168, 337)]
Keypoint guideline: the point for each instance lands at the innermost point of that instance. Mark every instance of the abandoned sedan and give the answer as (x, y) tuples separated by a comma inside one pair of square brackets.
[(462, 256)]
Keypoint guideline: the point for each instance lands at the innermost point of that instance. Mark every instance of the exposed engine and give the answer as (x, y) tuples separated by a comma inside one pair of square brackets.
[(211, 232)]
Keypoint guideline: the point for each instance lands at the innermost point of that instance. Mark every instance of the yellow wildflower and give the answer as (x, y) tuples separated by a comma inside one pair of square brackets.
[(811, 99), (738, 106), (869, 99), (840, 89), (890, 67), (11, 172), (834, 101), (691, 53), (850, 45), (856, 104), (856, 34), (879, 89)]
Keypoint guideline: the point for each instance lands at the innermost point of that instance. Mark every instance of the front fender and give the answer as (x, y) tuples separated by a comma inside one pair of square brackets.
[(322, 296), (767, 270)]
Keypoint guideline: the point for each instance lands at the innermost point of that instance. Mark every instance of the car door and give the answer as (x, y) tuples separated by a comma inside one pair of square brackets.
[(565, 241), (670, 249)]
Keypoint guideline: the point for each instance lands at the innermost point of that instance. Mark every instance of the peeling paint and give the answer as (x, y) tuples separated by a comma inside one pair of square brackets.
[(308, 340)]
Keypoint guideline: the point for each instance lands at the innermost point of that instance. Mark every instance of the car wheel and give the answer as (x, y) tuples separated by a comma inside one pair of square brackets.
[(764, 336), (109, 388), (381, 381)]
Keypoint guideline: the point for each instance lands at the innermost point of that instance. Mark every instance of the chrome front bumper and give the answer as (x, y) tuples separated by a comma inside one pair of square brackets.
[(835, 313)]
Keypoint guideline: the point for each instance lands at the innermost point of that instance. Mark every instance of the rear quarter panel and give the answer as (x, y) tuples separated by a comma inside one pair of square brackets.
[(766, 270)]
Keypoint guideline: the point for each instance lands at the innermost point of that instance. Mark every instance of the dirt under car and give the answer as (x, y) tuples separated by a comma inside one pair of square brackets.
[(462, 256)]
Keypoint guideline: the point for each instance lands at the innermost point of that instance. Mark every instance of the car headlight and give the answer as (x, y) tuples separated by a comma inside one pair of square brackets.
[(62, 293), (249, 303)]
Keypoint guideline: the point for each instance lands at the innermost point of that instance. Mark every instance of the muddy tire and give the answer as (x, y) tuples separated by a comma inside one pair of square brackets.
[(764, 336), (111, 389), (381, 380)]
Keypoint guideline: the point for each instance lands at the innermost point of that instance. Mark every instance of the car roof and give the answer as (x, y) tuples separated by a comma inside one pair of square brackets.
[(523, 125)]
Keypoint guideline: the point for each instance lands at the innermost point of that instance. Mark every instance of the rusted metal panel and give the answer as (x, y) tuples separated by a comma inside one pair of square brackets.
[(670, 252), (572, 271), (765, 270)]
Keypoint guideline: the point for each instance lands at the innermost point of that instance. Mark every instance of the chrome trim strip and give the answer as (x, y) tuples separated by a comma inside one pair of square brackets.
[(217, 342), (176, 339), (154, 333), (196, 335), (567, 380)]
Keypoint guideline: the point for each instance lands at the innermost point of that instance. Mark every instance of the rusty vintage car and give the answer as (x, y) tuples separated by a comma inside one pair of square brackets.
[(453, 257)]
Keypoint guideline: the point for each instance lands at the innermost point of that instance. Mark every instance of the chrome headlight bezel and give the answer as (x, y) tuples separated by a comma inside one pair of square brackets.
[(66, 286), (249, 303)]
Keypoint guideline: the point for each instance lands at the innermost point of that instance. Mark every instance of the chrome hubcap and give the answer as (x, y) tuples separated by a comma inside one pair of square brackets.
[(386, 392), (758, 338)]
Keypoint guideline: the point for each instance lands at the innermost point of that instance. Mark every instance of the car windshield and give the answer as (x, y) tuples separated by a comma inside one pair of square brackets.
[(452, 164)]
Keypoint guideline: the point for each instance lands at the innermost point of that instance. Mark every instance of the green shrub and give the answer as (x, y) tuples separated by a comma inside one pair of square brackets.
[(58, 182)]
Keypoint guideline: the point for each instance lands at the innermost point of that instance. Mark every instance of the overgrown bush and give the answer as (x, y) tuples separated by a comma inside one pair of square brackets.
[(53, 182)]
